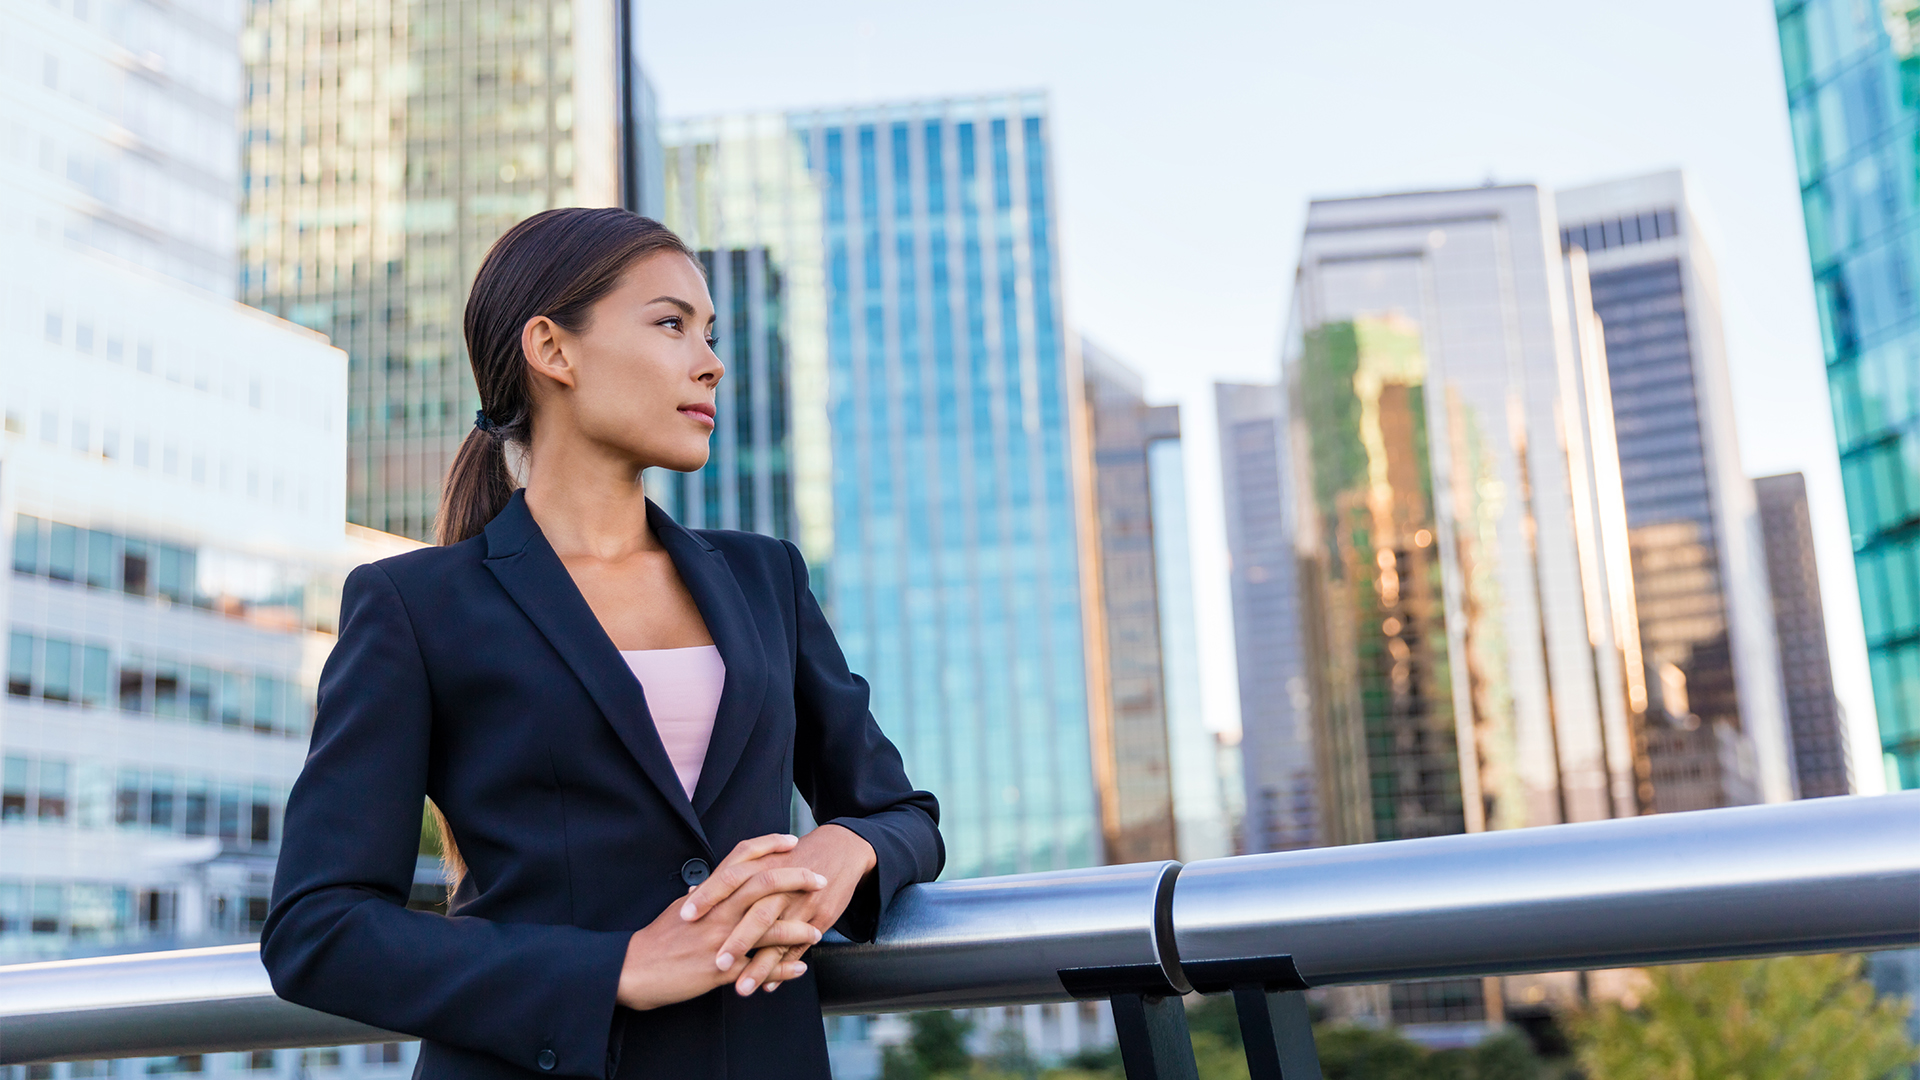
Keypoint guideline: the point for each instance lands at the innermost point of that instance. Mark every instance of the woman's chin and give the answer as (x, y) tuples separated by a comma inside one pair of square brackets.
[(690, 461)]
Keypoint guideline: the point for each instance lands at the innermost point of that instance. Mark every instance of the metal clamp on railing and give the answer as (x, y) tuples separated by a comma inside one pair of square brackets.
[(1825, 875), (1099, 933)]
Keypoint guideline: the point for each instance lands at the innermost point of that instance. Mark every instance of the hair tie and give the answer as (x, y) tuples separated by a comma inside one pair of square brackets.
[(481, 421)]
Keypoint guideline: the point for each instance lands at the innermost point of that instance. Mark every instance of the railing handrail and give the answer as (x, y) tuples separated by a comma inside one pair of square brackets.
[(1836, 874)]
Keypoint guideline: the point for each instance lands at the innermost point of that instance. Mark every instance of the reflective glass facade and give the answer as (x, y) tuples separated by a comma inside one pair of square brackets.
[(1700, 578), (738, 189), (386, 146), (1139, 825), (1853, 93), (1450, 535), (1280, 756), (1204, 769), (958, 502), (1460, 561)]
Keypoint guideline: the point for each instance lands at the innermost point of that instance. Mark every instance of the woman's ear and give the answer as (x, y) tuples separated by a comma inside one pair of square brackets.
[(541, 342)]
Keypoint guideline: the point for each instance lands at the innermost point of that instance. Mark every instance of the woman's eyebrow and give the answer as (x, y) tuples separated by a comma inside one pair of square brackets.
[(675, 301)]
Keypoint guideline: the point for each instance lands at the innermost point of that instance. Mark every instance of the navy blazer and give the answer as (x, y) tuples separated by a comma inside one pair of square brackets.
[(476, 674)]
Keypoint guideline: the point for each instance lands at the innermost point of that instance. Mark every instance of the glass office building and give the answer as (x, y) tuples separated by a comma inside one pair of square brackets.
[(959, 491), (1279, 752), (1167, 784), (1700, 576), (1139, 822), (739, 191), (1459, 559), (1853, 94), (385, 147), (934, 442), (1451, 511)]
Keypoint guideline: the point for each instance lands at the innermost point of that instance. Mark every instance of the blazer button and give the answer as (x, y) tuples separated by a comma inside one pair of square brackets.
[(694, 871), (547, 1060)]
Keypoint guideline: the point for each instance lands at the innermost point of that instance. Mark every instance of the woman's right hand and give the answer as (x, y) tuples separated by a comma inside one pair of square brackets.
[(673, 959)]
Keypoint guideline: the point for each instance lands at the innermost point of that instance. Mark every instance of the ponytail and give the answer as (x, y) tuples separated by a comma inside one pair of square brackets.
[(556, 264), (478, 485)]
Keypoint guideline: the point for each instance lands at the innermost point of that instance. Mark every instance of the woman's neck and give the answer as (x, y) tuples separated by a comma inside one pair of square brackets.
[(586, 501)]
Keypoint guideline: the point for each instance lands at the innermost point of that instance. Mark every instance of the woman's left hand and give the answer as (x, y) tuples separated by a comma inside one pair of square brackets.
[(837, 853)]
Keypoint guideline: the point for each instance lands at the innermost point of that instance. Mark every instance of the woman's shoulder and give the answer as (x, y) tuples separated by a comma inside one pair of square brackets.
[(424, 567)]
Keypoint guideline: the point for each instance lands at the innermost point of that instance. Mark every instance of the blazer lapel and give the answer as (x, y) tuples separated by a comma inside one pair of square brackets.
[(724, 607), (519, 555)]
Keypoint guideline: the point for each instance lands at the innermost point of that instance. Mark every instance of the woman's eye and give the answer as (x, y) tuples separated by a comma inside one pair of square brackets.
[(713, 340), (671, 322)]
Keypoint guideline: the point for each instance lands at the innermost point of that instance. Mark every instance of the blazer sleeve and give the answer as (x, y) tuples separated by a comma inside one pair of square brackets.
[(850, 774), (339, 936)]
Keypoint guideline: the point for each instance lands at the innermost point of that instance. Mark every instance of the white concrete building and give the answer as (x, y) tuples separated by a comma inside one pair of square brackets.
[(172, 491)]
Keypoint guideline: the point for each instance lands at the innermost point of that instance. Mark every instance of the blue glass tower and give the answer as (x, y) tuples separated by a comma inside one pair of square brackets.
[(1853, 90), (956, 571)]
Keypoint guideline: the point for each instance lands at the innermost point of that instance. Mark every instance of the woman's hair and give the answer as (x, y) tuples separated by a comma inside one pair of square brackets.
[(557, 263)]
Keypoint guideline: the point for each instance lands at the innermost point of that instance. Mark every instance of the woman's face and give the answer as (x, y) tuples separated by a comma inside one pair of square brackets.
[(644, 370)]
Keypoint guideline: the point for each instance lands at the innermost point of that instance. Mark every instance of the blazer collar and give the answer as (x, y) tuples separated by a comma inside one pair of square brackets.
[(536, 579)]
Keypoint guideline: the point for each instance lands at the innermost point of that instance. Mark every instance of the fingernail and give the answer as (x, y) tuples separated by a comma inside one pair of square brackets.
[(789, 836), (817, 935), (819, 881), (799, 969), (771, 987), (723, 961), (746, 986), (689, 912)]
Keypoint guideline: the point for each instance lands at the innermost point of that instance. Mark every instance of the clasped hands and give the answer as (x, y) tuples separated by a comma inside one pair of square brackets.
[(749, 923)]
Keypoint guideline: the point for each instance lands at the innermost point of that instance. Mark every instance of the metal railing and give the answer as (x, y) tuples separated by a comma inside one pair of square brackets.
[(1824, 875)]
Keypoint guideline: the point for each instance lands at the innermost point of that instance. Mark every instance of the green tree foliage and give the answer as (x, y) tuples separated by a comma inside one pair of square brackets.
[(1788, 1018), (935, 1047)]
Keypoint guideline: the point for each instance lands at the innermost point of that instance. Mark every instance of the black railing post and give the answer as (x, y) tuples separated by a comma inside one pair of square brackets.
[(1277, 1032), (1274, 1025), (1153, 1036)]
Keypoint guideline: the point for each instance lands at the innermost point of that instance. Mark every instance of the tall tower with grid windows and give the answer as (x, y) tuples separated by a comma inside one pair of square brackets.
[(1852, 71), (386, 146), (1700, 576), (935, 448)]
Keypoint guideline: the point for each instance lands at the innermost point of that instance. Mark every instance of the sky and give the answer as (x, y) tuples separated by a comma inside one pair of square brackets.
[(1189, 139)]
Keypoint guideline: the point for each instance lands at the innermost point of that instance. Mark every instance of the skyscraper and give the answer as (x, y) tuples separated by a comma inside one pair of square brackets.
[(1454, 548), (1456, 526), (1166, 774), (1700, 581), (1204, 768), (960, 575), (1820, 759), (738, 190), (386, 147), (935, 448), (1139, 821), (1278, 744), (1848, 68)]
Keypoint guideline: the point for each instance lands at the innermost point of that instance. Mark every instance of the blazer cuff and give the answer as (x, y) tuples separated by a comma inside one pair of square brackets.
[(586, 1039), (893, 870)]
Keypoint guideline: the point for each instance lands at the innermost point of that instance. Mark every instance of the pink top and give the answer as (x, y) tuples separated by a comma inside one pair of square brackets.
[(683, 694)]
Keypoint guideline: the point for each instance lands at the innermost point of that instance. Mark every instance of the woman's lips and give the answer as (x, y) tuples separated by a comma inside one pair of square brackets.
[(701, 412)]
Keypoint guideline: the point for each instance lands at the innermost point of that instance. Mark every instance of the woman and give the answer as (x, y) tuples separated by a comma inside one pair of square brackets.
[(600, 704)]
